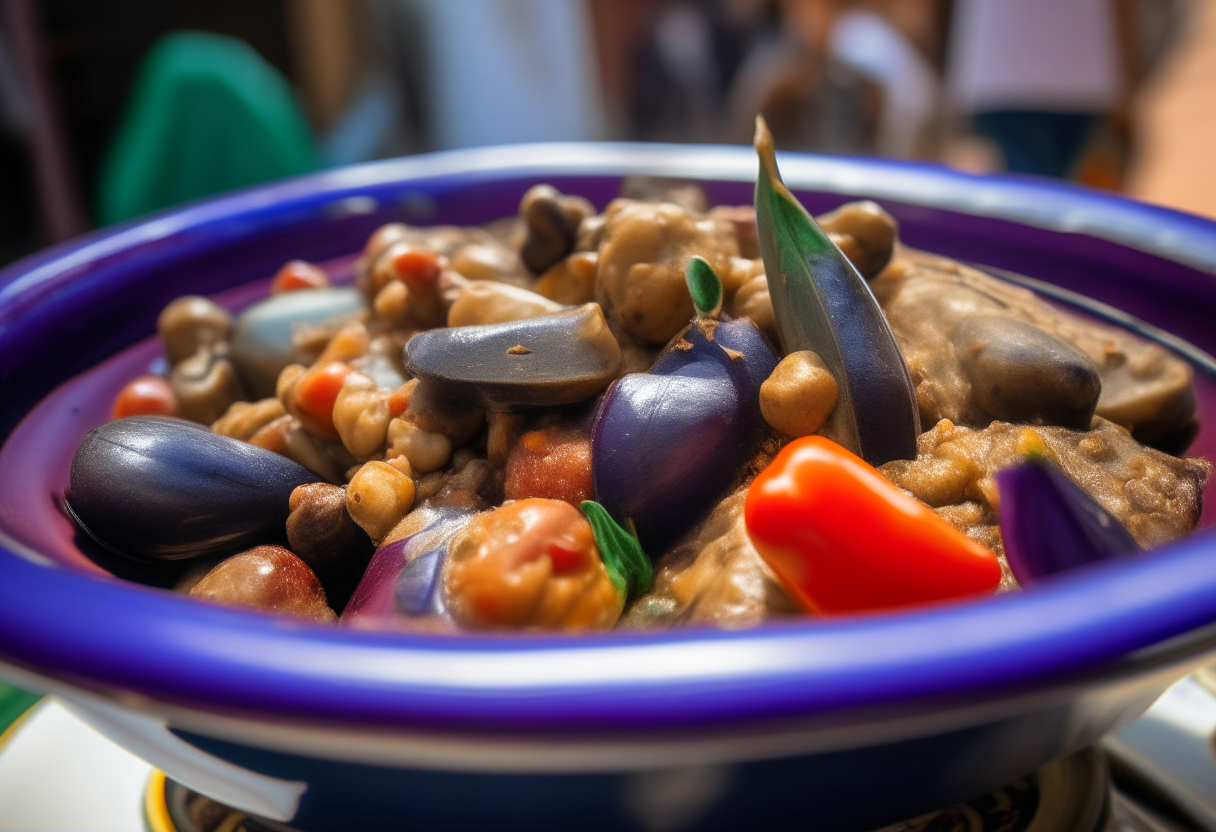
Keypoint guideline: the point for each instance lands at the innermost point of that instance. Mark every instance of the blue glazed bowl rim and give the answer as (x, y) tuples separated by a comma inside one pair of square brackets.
[(1110, 619)]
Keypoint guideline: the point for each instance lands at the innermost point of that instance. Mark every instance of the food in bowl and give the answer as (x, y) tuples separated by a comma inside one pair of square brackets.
[(551, 423)]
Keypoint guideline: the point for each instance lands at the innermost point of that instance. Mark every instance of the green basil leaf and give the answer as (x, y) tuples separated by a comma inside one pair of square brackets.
[(628, 567), (704, 286)]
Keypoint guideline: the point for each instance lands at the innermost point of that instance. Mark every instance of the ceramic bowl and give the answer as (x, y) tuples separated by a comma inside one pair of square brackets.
[(843, 724)]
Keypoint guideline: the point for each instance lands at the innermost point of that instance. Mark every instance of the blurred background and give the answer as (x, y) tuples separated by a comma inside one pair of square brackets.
[(110, 109)]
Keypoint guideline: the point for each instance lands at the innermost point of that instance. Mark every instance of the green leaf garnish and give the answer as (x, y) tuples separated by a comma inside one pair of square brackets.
[(704, 286), (823, 304), (628, 567)]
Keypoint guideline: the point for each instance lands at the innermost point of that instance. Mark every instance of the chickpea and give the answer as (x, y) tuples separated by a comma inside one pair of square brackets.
[(350, 342), (572, 281), (420, 270), (799, 395), (378, 497), (483, 302), (480, 262), (864, 232), (392, 304), (425, 451), (361, 415), (531, 563), (244, 419), (286, 436), (273, 435), (640, 277), (753, 301)]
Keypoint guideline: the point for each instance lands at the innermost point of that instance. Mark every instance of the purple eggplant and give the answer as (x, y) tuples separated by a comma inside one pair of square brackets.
[(1050, 524), (154, 488), (666, 444), (403, 580)]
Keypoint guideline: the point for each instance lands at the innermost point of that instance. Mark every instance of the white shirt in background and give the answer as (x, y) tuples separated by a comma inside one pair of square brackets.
[(1054, 55)]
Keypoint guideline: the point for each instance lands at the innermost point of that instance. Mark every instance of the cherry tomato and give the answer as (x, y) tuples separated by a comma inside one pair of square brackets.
[(146, 395), (299, 274)]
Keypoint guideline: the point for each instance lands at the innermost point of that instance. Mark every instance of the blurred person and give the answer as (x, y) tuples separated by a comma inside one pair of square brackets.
[(502, 71), (870, 45), (780, 75), (811, 100), (1037, 76), (685, 64)]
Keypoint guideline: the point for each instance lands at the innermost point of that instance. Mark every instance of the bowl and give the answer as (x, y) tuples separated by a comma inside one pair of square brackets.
[(846, 723)]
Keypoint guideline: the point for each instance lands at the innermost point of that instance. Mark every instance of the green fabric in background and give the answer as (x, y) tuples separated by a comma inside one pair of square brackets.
[(13, 703), (206, 114)]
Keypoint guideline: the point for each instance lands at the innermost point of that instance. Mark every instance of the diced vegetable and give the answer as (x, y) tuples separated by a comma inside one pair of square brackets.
[(312, 401), (532, 563), (298, 274)]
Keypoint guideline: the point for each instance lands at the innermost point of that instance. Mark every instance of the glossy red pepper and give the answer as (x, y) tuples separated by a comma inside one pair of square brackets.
[(842, 539)]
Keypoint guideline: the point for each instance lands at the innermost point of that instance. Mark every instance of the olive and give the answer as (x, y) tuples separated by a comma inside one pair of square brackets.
[(322, 533), (552, 220), (268, 579), (158, 488), (1019, 373), (550, 360), (262, 343)]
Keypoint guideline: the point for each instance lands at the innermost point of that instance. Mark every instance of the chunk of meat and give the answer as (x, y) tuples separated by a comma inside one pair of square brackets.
[(928, 299), (1158, 497), (715, 577), (640, 274)]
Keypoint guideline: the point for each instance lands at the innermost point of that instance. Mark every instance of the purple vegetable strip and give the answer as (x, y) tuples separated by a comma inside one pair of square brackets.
[(1050, 524), (402, 579)]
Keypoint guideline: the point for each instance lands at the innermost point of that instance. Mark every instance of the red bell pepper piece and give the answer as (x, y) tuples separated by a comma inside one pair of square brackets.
[(843, 539)]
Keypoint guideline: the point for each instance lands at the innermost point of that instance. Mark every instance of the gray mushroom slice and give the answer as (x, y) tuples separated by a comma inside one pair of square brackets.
[(262, 343), (1019, 373), (1151, 393), (552, 360)]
